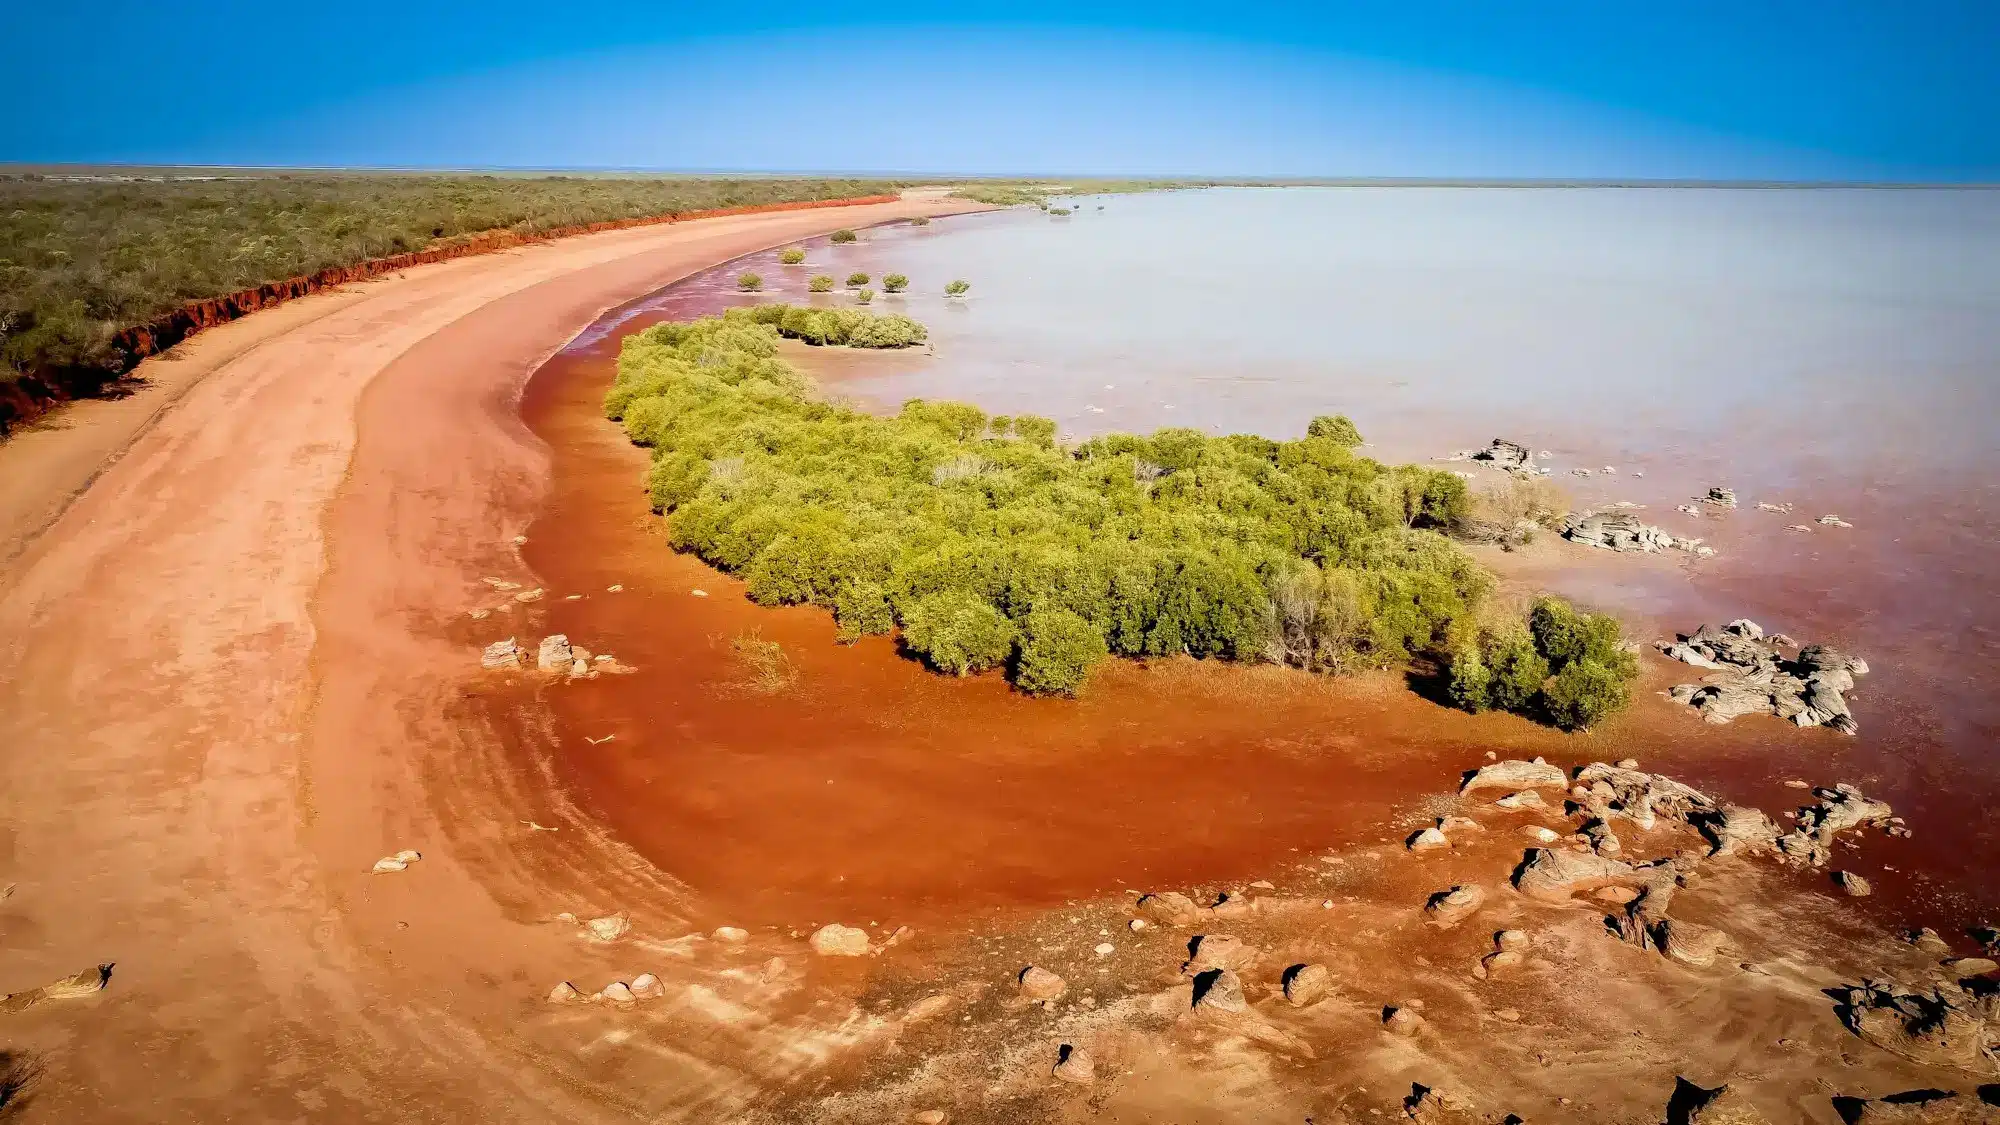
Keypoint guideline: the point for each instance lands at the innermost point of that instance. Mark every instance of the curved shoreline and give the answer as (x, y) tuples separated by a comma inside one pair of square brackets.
[(223, 695)]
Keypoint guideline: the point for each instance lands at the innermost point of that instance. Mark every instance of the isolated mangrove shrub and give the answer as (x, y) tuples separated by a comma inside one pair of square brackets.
[(749, 282), (1336, 428), (895, 283), (865, 296), (956, 288), (986, 541), (1058, 649), (791, 256), (820, 283), (843, 235), (1059, 212), (958, 632), (1566, 666), (921, 221), (856, 280)]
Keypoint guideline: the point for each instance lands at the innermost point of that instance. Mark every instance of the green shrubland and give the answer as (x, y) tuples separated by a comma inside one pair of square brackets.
[(842, 236), (820, 283), (791, 256), (750, 282), (856, 280), (988, 544), (956, 288), (895, 283), (82, 257), (1568, 667)]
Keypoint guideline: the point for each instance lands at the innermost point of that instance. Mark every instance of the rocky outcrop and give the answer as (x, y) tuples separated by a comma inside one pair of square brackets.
[(1736, 828), (1724, 1105), (1168, 908), (1217, 951), (1719, 497), (501, 654), (1840, 809), (1515, 774), (1622, 531), (1037, 983), (1503, 454), (1306, 984), (836, 940), (1449, 908), (1554, 875), (1949, 1026), (1924, 1107), (1751, 675)]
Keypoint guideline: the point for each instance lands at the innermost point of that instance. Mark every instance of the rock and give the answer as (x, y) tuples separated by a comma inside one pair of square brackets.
[(501, 654), (533, 595), (1539, 834), (579, 668), (1037, 983), (1306, 984), (1402, 1021), (607, 929), (1433, 1107), (398, 862), (1219, 990), (1754, 677), (1935, 1028), (1075, 1066), (1964, 967), (1831, 520), (1841, 808), (1925, 1107), (1515, 774), (1105, 949), (1136, 925), (1720, 497), (1853, 884), (730, 934), (1232, 906), (1616, 896), (646, 986), (928, 1117), (564, 993), (1450, 907), (1724, 1105), (1557, 875), (1500, 962), (1735, 828), (1428, 839), (1217, 951), (1602, 841), (1168, 908), (1927, 940), (1450, 824), (554, 655), (617, 992), (1506, 454), (836, 940), (1263, 885), (1688, 942), (1526, 799), (1622, 531)]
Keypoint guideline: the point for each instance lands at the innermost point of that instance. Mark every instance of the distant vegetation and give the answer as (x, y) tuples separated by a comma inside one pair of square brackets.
[(843, 236), (820, 283), (791, 256), (749, 282), (956, 288), (1060, 212), (865, 296), (895, 283), (921, 221), (989, 545), (81, 260), (856, 280)]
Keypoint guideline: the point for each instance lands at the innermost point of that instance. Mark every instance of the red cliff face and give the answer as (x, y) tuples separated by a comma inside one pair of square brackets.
[(38, 390)]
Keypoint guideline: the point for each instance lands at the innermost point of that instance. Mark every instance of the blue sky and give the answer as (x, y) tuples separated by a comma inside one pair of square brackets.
[(1613, 88)]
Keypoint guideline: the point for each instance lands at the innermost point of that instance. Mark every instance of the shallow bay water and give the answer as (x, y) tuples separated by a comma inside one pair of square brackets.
[(1838, 351)]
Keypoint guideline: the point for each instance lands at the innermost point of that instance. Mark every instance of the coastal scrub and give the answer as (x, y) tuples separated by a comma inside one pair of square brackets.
[(989, 544)]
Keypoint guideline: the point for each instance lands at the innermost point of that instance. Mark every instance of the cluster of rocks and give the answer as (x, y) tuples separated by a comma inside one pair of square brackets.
[(1753, 675), (618, 993), (1719, 497), (1623, 531), (555, 656), (1956, 1026), (1502, 454)]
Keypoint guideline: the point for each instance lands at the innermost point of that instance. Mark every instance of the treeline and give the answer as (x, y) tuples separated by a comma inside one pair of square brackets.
[(987, 544), (80, 261)]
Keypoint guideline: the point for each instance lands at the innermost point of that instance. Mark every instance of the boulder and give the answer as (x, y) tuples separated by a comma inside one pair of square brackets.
[(1738, 828), (1515, 774), (1525, 799), (1720, 497), (1428, 839), (1690, 943), (1554, 876), (646, 986), (1168, 908), (1753, 676), (1306, 984), (1037, 983), (501, 654), (609, 928), (1941, 1027), (1963, 967), (1724, 1105), (617, 992), (1508, 455), (1075, 1065), (836, 940), (1855, 885), (1402, 1021), (1450, 907), (1219, 990), (1500, 962), (1433, 1107), (1622, 531), (1217, 951), (731, 934), (564, 993), (554, 655), (928, 1117)]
